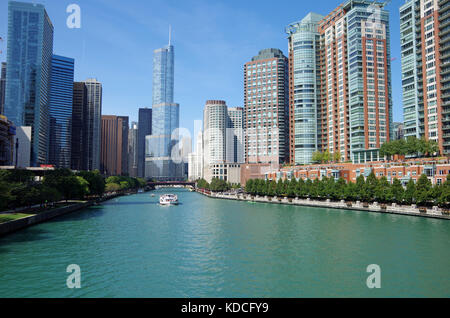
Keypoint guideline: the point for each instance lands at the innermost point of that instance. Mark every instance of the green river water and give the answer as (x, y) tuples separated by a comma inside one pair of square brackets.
[(132, 247)]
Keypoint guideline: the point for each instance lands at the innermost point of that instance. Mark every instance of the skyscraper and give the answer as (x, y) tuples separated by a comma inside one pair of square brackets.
[(235, 135), (133, 133), (2, 88), (305, 131), (144, 130), (220, 151), (79, 144), (162, 157), (93, 122), (60, 110), (352, 88), (29, 54), (114, 145), (425, 51), (266, 102), (215, 119)]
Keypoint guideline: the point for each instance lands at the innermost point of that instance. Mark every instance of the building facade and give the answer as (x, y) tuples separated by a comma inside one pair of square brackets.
[(235, 135), (60, 111), (144, 130), (398, 129), (29, 55), (133, 134), (79, 134), (348, 51), (195, 159), (22, 147), (93, 121), (7, 136), (435, 170), (2, 88), (114, 146), (426, 70), (305, 131), (266, 102), (162, 160)]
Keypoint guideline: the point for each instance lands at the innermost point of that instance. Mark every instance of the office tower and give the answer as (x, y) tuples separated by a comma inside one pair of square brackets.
[(266, 102), (163, 161), (93, 122), (60, 111), (235, 135), (2, 88), (29, 54), (351, 57), (133, 150), (144, 130), (79, 135), (425, 51), (114, 145)]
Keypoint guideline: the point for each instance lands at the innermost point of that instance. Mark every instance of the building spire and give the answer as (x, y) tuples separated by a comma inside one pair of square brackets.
[(170, 33)]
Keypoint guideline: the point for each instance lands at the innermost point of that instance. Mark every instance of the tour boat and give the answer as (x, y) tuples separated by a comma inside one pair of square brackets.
[(168, 199)]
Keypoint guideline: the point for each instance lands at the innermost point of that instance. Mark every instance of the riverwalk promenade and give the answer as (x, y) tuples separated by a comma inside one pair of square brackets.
[(32, 219), (412, 210)]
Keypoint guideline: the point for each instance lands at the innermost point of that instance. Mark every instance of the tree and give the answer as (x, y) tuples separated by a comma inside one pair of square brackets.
[(340, 189), (383, 191), (203, 184), (423, 192), (317, 157), (410, 192), (95, 180), (292, 188), (397, 191), (280, 188), (219, 185), (5, 195), (360, 187), (337, 156), (112, 187)]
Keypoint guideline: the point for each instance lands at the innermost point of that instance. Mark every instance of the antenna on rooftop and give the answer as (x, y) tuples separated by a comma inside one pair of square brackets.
[(170, 33)]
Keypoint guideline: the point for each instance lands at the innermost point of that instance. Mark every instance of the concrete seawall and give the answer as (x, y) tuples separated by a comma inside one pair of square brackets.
[(411, 210), (15, 225)]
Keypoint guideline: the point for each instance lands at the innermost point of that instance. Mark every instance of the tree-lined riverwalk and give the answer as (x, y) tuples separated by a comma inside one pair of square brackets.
[(412, 210)]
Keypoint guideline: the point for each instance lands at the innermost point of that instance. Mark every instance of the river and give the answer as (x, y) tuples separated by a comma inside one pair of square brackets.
[(132, 247)]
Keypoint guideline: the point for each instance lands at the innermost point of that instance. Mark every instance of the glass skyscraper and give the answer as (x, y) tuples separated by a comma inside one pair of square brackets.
[(29, 56), (144, 129), (162, 154), (93, 122), (60, 110)]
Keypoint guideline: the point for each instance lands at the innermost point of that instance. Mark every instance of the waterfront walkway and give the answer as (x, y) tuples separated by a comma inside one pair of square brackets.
[(413, 210)]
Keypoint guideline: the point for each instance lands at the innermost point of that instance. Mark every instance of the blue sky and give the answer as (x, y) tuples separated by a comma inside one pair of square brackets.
[(212, 39)]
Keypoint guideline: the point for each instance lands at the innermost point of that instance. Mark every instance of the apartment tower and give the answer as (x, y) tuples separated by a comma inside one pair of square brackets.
[(266, 102), (348, 53), (425, 48)]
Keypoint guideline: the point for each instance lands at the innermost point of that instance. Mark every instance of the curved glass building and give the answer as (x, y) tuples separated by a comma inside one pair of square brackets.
[(304, 43)]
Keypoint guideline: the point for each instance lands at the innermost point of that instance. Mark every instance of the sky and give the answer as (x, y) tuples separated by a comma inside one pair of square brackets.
[(213, 39)]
